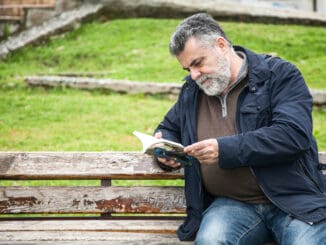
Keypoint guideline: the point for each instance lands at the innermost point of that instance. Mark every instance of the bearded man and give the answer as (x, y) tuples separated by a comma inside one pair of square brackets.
[(246, 120)]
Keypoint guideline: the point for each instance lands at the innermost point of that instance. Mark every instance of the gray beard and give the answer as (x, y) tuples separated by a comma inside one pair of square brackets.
[(214, 87), (219, 80)]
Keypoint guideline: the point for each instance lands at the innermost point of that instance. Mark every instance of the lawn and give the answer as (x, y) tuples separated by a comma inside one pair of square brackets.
[(39, 119), (137, 49)]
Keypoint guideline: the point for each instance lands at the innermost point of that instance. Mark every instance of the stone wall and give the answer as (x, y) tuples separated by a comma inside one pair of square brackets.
[(17, 15), (318, 6), (35, 16), (303, 5), (321, 6), (235, 10)]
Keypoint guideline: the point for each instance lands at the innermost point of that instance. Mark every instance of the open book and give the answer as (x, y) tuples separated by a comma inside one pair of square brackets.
[(150, 143)]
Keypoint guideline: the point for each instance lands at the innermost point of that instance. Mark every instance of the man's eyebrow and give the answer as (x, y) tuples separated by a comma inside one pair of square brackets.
[(194, 62)]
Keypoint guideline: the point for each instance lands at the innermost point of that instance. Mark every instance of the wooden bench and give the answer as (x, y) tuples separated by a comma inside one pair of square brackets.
[(157, 210), (102, 213)]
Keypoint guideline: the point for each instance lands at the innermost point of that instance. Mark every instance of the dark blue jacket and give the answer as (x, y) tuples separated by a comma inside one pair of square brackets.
[(274, 138)]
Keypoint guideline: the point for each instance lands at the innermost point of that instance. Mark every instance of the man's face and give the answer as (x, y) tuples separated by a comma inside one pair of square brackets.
[(208, 66)]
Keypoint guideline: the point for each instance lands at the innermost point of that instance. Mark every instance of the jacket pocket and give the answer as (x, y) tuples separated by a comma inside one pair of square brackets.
[(255, 114)]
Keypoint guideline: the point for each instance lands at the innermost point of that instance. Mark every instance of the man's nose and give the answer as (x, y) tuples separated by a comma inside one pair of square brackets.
[(194, 73)]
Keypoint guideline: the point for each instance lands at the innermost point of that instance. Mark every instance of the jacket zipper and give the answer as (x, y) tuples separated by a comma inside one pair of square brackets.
[(223, 104)]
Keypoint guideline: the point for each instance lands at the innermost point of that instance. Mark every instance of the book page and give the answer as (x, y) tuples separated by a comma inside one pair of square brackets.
[(150, 143)]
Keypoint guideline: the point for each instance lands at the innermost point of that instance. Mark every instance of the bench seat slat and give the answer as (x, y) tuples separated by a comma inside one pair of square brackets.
[(64, 200), (86, 236), (81, 165), (116, 242), (128, 225)]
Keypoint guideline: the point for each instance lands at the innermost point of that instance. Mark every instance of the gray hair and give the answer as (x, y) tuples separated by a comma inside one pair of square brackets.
[(201, 26)]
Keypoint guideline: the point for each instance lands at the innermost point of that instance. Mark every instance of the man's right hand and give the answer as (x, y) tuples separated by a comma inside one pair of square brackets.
[(171, 163)]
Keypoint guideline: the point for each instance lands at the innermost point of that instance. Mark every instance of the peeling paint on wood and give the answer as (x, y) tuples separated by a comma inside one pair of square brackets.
[(20, 201), (92, 200)]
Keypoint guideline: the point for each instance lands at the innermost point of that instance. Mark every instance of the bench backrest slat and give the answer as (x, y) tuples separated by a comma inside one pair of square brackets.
[(89, 165), (322, 156), (65, 200), (81, 165)]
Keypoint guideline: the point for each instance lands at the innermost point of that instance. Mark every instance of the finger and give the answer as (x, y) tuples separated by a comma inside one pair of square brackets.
[(194, 148), (174, 164), (170, 163), (200, 152), (158, 135), (162, 160), (203, 148)]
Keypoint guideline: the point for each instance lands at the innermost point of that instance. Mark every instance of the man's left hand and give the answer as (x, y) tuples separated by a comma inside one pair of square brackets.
[(206, 151)]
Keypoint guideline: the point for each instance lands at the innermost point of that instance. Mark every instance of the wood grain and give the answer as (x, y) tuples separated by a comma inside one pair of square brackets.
[(81, 165), (87, 236), (154, 226)]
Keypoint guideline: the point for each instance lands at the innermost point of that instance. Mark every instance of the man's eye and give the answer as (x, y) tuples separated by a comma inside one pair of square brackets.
[(200, 64), (197, 64)]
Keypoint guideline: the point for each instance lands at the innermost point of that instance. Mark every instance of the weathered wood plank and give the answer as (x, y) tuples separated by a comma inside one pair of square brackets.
[(134, 242), (319, 96), (64, 200), (322, 159), (154, 226), (81, 165), (85, 165), (83, 236), (322, 156)]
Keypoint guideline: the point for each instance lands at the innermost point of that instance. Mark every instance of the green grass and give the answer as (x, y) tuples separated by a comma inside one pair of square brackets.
[(137, 49), (37, 119), (126, 49), (70, 120), (319, 130)]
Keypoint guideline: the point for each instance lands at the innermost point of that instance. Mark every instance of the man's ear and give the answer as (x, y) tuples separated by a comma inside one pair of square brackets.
[(221, 43)]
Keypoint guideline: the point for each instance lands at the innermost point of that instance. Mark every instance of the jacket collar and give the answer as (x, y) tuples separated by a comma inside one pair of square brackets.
[(258, 70)]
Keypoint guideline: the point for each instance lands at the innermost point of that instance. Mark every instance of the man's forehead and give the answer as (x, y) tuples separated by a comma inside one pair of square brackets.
[(192, 44), (192, 51)]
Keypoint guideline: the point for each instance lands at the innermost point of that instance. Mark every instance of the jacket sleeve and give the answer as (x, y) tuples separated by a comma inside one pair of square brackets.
[(171, 124), (170, 127), (289, 131)]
